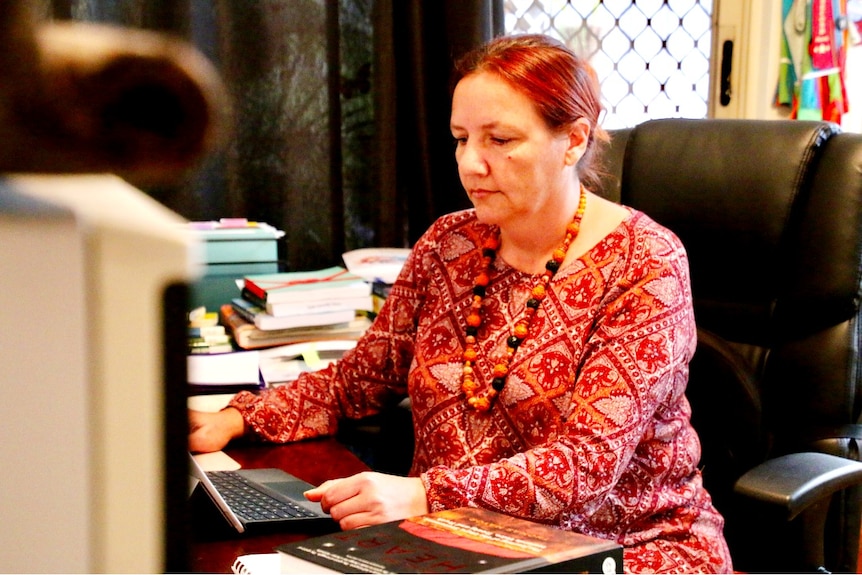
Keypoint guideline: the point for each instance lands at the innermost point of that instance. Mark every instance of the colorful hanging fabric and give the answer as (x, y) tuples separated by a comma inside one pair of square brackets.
[(811, 74)]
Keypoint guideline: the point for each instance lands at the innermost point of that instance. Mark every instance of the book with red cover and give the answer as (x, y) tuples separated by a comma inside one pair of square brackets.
[(465, 540), (330, 283)]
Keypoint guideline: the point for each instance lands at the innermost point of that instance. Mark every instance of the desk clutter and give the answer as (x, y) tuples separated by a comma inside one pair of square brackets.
[(263, 326)]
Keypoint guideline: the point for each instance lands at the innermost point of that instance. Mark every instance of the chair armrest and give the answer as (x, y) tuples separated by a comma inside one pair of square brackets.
[(797, 480)]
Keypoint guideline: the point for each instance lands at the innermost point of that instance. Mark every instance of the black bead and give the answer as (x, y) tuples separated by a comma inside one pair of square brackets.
[(513, 342), (498, 383), (489, 253), (533, 303), (552, 266), (479, 291), (471, 330)]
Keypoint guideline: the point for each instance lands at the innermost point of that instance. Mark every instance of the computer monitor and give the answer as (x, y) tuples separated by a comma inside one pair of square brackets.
[(94, 457)]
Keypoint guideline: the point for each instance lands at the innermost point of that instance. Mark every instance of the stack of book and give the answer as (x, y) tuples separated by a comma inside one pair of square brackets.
[(206, 334), (290, 307)]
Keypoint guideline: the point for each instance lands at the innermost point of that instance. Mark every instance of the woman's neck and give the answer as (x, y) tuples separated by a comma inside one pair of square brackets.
[(528, 245)]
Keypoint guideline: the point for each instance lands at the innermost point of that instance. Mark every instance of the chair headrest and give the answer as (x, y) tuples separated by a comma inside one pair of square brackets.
[(767, 237)]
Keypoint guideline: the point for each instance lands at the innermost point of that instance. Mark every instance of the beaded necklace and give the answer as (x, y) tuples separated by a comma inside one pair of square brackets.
[(469, 385)]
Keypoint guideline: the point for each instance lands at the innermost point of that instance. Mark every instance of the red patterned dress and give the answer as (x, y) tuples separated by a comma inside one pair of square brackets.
[(591, 431)]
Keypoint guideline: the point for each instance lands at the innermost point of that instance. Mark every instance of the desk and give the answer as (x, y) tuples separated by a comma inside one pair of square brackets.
[(215, 544)]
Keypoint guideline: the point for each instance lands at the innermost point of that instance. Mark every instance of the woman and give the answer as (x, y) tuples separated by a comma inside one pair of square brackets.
[(543, 338)]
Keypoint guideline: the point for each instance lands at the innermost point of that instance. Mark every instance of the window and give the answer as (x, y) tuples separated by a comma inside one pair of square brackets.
[(652, 57)]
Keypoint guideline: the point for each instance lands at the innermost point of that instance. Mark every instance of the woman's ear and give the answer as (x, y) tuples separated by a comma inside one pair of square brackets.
[(579, 137)]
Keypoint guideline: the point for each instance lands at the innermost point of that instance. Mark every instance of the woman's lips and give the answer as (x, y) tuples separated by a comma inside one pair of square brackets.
[(481, 193)]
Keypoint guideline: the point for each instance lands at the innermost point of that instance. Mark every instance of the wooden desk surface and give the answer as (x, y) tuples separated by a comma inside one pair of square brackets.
[(215, 544)]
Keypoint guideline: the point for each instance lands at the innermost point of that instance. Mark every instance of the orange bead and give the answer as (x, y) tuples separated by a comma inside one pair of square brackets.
[(482, 279), (474, 320), (470, 354), (521, 330), (539, 291), (559, 255), (481, 403), (500, 370)]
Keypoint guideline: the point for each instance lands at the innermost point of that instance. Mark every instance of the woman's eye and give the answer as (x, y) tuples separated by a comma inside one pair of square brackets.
[(500, 141), (459, 141)]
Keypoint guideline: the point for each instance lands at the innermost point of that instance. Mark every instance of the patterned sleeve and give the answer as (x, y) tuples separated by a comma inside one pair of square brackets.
[(626, 404), (368, 378)]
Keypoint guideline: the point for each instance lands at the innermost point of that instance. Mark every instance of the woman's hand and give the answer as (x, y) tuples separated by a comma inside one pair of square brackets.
[(369, 498), (212, 431)]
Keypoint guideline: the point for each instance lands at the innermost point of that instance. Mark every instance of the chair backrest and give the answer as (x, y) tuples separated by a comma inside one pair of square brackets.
[(770, 213)]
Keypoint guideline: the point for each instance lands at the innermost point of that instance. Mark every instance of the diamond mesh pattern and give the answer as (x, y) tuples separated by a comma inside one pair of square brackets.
[(651, 56)]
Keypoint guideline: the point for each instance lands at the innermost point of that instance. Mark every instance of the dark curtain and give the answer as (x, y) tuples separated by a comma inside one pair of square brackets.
[(340, 131), (416, 43)]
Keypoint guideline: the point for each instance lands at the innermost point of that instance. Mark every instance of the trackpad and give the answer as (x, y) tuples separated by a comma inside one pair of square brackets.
[(292, 489)]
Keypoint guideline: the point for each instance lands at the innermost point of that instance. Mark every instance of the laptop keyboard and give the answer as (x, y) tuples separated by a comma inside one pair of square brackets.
[(250, 503)]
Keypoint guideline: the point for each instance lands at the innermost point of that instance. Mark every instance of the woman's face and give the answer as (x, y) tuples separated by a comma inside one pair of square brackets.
[(510, 163)]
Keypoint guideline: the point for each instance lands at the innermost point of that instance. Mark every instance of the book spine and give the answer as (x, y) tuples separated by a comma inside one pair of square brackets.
[(241, 328), (254, 289), (234, 321), (206, 331), (249, 295), (209, 339), (211, 348), (244, 309)]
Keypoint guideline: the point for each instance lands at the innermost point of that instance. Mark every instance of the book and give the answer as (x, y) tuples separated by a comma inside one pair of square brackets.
[(335, 282), (206, 319), (379, 293), (199, 347), (208, 373), (376, 264), (256, 564), (265, 321), (361, 303), (248, 336), (270, 564), (464, 540), (284, 363), (209, 339), (206, 331)]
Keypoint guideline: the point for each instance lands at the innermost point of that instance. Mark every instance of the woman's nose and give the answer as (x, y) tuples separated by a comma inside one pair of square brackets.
[(471, 160)]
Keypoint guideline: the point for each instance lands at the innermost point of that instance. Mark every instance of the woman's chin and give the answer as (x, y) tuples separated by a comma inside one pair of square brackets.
[(486, 215)]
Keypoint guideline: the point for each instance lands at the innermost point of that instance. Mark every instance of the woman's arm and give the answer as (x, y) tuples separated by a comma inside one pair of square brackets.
[(366, 379)]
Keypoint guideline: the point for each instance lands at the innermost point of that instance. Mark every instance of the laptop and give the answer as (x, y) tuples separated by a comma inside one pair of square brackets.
[(251, 498)]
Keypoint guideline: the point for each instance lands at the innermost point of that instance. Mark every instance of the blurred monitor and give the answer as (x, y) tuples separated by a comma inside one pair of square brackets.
[(94, 475)]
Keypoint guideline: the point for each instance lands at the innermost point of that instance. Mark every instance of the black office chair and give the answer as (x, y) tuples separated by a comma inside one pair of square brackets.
[(770, 213)]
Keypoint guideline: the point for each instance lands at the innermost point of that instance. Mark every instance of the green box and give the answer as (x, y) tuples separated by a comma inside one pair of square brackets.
[(228, 254)]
